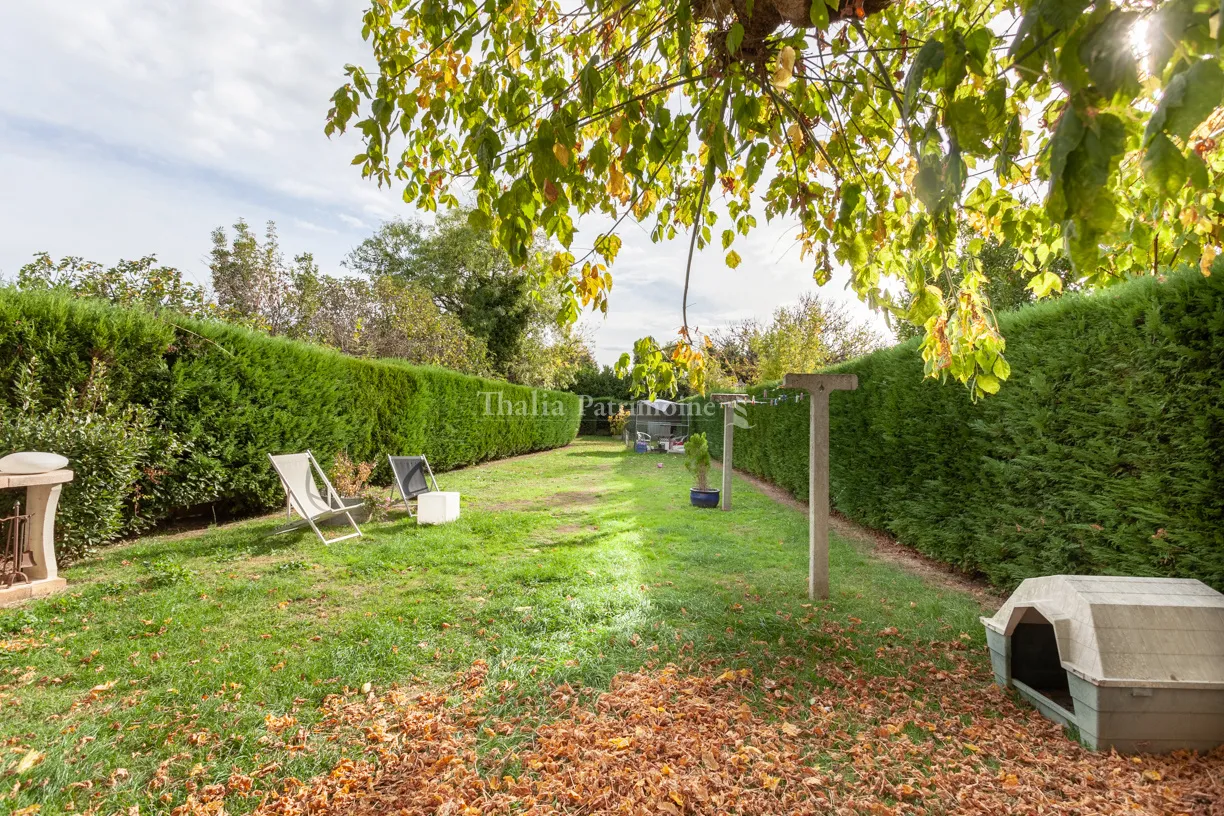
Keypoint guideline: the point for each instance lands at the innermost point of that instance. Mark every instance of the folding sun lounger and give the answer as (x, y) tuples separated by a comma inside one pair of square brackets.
[(410, 477), (303, 497)]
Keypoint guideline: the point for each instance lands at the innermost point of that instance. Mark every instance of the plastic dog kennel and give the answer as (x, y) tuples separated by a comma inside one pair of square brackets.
[(1136, 664)]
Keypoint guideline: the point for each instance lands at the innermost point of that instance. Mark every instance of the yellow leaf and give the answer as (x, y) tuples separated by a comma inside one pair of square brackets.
[(616, 183), (28, 811), (1206, 259), (620, 742), (562, 153), (733, 259), (785, 72), (1152, 776), (787, 58), (770, 782), (795, 134), (28, 761)]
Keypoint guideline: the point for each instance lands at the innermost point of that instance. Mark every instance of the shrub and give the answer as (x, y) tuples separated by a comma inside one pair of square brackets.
[(198, 405), (106, 444), (697, 460), (352, 479), (1103, 453), (619, 420)]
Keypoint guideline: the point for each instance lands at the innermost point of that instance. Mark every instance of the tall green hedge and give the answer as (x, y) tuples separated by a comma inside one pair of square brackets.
[(1103, 453), (221, 398)]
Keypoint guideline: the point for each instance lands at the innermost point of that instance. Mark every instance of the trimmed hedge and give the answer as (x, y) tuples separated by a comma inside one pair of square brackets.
[(1103, 453), (227, 397)]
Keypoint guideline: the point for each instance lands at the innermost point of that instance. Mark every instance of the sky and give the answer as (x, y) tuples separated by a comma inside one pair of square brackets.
[(130, 127)]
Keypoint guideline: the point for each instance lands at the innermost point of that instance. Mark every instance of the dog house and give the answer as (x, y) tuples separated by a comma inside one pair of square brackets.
[(1136, 664)]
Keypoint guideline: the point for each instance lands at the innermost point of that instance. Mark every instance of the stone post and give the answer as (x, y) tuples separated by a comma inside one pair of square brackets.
[(727, 401), (818, 387), (728, 455)]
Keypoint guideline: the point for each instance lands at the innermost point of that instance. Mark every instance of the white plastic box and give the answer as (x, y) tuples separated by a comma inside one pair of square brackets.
[(437, 507)]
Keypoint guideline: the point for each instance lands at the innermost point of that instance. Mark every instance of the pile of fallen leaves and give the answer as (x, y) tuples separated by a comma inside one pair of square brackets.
[(940, 740)]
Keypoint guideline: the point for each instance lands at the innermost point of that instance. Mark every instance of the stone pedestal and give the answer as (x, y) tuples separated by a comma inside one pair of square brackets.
[(41, 499), (437, 507)]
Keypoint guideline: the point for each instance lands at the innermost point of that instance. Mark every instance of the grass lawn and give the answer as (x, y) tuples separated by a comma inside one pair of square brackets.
[(175, 663)]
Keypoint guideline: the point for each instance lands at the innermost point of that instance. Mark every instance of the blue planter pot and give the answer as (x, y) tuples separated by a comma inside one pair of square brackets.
[(639, 447), (703, 498)]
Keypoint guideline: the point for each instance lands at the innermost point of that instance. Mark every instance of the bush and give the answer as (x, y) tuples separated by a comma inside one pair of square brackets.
[(204, 403), (618, 421), (697, 460), (107, 444), (1103, 453)]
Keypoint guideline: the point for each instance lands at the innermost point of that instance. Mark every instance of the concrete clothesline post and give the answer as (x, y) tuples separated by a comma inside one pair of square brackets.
[(728, 402), (818, 387), (728, 452)]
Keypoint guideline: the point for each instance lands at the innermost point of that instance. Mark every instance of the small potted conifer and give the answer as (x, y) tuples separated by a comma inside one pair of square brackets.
[(697, 461)]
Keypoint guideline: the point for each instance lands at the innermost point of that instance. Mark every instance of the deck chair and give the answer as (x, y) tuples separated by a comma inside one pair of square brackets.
[(410, 477), (302, 495)]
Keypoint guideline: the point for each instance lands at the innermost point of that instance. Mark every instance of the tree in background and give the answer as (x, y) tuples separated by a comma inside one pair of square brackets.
[(431, 297), (384, 318), (142, 282), (734, 354), (808, 336), (594, 381), (880, 128), (496, 300), (251, 280), (389, 251)]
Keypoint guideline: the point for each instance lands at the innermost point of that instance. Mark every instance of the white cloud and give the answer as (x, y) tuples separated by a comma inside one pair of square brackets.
[(137, 126)]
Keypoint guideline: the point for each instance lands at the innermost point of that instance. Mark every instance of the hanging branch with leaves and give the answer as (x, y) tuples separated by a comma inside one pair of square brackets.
[(886, 131)]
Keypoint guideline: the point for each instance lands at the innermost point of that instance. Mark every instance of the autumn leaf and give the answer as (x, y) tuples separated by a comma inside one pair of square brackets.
[(28, 761)]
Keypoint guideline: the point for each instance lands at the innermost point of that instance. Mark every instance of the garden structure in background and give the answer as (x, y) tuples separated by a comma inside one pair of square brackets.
[(581, 640)]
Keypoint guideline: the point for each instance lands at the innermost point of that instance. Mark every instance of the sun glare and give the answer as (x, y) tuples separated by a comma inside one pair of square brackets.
[(1139, 40)]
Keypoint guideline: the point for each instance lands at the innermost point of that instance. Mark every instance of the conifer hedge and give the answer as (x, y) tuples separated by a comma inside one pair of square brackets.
[(219, 398), (1102, 454)]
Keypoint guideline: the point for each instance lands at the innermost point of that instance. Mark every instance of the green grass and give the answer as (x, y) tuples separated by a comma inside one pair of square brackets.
[(566, 567)]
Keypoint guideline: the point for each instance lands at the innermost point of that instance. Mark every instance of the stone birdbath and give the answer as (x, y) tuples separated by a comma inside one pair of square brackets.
[(42, 492)]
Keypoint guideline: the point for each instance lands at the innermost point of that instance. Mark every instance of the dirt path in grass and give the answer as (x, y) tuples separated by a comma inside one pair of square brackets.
[(886, 548)]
